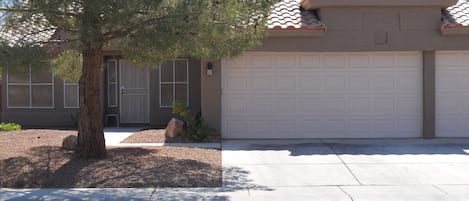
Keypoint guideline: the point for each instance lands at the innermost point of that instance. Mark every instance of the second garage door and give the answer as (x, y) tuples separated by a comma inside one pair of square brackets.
[(452, 94), (322, 95)]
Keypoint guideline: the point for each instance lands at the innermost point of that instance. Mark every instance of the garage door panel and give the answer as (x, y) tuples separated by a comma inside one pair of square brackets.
[(407, 82), (359, 127), (334, 105), (236, 105), (463, 59), (259, 126), (359, 82), (323, 95), (465, 103), (407, 105), (235, 83), (334, 61), (359, 105), (464, 81), (285, 82), (408, 125), (452, 126), (447, 59), (309, 61), (260, 61), (359, 61), (407, 60), (384, 126), (284, 105), (452, 94), (261, 105), (383, 105), (284, 128), (234, 128), (309, 82), (448, 104), (260, 83), (285, 61), (309, 105), (383, 60), (383, 82), (334, 82), (447, 80)]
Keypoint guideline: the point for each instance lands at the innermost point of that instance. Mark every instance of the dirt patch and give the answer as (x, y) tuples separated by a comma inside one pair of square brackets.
[(157, 136), (34, 159)]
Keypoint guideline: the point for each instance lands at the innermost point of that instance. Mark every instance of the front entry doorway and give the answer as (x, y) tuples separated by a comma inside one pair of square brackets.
[(134, 93)]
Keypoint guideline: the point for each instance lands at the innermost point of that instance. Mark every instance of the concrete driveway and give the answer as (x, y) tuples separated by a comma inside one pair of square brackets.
[(347, 169)]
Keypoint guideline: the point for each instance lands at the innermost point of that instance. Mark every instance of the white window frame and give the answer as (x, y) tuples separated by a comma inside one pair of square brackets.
[(174, 82), (30, 84), (78, 93), (109, 83)]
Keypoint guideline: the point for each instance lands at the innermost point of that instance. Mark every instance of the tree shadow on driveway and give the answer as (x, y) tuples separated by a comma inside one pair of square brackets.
[(358, 147)]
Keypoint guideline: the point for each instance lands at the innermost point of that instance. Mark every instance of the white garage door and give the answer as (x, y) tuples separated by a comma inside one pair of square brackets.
[(452, 94), (322, 95)]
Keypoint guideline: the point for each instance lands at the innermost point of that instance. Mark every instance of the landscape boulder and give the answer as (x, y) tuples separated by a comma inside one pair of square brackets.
[(70, 142), (174, 127)]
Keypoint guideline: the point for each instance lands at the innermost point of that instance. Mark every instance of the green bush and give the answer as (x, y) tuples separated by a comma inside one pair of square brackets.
[(195, 128), (9, 127)]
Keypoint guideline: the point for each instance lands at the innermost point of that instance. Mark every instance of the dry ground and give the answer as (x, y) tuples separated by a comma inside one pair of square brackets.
[(157, 136), (34, 159)]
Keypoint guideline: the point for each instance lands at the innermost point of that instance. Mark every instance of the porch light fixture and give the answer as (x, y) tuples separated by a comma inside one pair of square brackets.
[(209, 68)]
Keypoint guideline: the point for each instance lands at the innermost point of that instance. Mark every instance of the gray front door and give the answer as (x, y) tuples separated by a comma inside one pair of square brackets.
[(134, 93)]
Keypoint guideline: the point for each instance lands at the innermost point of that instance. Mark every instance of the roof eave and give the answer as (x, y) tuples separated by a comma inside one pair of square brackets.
[(318, 31), (454, 30)]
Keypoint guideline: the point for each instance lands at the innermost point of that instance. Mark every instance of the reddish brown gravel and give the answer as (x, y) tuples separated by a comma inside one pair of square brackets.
[(34, 159), (157, 136)]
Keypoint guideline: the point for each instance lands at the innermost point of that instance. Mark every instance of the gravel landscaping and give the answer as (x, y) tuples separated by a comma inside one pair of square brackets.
[(34, 159), (157, 136)]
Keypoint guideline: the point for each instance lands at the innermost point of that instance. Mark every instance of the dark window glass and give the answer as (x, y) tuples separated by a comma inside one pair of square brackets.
[(41, 95), (18, 96)]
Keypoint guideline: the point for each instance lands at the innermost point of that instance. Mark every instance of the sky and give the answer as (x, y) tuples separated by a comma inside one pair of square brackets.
[(2, 4)]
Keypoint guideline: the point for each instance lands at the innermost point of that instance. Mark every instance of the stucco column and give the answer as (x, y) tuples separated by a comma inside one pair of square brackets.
[(211, 95), (429, 94)]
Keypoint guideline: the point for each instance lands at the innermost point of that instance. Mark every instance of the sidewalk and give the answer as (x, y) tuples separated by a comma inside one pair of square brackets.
[(319, 193)]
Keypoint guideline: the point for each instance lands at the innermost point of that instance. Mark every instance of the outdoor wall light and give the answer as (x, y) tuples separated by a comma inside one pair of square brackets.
[(209, 68)]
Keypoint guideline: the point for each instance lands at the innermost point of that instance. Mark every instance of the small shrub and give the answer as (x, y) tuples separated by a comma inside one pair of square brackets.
[(9, 127), (195, 129)]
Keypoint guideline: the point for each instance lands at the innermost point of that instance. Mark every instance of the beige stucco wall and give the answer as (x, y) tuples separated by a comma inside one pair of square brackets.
[(391, 28), (211, 95)]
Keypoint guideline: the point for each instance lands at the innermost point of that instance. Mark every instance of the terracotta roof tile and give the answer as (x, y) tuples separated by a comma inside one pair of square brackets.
[(288, 14), (456, 16)]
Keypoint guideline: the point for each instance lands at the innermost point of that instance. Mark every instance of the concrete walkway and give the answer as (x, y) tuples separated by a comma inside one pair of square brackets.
[(115, 136), (312, 170)]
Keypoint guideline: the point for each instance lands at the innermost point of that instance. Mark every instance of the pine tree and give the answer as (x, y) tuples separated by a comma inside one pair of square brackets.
[(146, 31)]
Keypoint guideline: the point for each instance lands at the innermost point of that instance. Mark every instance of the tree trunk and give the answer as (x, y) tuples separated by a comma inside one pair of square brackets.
[(90, 134)]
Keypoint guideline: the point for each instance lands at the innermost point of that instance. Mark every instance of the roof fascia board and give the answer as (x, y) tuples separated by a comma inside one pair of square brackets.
[(454, 31), (297, 33)]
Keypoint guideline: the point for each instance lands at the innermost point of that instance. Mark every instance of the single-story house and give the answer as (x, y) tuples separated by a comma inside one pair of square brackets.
[(327, 69)]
